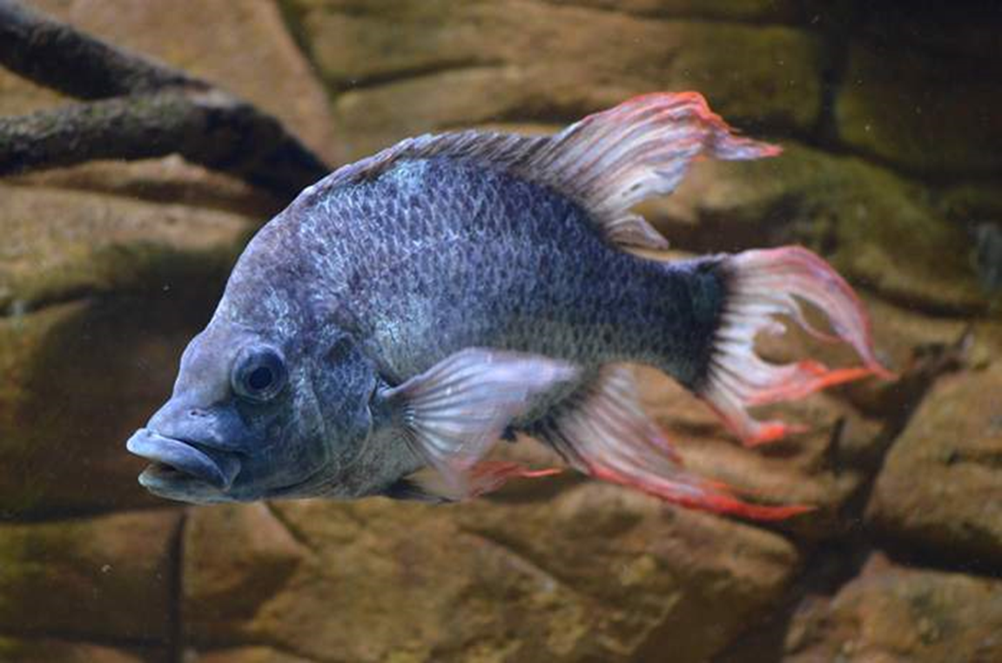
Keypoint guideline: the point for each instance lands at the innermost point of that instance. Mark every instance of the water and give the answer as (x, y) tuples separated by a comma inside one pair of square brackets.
[(891, 170)]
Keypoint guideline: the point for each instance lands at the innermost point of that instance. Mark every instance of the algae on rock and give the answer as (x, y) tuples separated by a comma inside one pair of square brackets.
[(399, 71), (862, 217)]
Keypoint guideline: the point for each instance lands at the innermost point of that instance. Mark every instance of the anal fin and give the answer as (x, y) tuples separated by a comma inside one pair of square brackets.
[(602, 431), (427, 485)]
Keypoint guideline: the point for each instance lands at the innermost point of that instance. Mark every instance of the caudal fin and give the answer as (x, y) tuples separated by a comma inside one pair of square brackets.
[(760, 285)]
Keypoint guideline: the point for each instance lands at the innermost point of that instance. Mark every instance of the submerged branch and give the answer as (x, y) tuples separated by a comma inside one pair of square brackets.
[(209, 128), (58, 56), (142, 109)]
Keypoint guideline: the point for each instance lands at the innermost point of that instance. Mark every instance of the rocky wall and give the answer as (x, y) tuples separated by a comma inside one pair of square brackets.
[(891, 169)]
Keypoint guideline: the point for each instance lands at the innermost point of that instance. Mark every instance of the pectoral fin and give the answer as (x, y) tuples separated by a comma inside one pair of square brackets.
[(456, 410)]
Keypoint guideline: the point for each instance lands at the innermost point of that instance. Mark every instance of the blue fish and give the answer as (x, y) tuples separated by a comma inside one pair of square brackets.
[(382, 333)]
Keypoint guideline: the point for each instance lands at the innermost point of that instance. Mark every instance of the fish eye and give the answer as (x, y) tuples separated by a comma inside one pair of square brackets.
[(259, 374)]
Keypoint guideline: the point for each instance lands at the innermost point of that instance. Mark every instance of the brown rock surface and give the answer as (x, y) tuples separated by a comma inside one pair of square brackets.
[(728, 10), (894, 614), (18, 96), (940, 491), (244, 655), (102, 578), (405, 68), (79, 377), (598, 573), (59, 244), (236, 558), (554, 570), (169, 180), (15, 650), (920, 110), (879, 229)]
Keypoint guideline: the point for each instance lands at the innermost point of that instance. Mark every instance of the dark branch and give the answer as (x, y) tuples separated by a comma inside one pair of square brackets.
[(55, 55), (145, 109), (209, 128)]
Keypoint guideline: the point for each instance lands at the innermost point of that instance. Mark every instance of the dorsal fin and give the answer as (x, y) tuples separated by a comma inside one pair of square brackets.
[(607, 163)]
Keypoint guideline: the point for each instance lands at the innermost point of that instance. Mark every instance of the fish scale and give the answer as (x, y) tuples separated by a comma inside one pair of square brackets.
[(528, 273)]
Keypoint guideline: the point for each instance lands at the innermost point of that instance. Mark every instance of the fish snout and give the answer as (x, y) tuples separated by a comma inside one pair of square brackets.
[(176, 460), (217, 428)]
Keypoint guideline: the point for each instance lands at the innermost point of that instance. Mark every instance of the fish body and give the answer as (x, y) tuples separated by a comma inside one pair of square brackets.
[(436, 256), (405, 312)]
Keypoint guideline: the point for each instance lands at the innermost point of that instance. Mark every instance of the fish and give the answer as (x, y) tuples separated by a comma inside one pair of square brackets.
[(403, 315)]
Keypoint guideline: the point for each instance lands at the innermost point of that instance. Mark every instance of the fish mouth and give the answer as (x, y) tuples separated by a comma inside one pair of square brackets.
[(178, 464)]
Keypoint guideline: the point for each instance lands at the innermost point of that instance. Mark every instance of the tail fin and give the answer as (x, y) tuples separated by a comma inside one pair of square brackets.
[(760, 284), (602, 430)]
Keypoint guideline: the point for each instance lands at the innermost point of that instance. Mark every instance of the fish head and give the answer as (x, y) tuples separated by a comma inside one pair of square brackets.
[(255, 415)]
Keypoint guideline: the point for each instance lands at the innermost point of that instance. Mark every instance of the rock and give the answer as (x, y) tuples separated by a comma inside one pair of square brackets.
[(107, 578), (725, 10), (668, 572), (937, 29), (19, 97), (224, 582), (15, 650), (598, 573), (243, 655), (169, 180), (879, 229), (953, 443), (891, 613), (138, 279), (920, 111), (977, 207), (60, 244), (402, 69)]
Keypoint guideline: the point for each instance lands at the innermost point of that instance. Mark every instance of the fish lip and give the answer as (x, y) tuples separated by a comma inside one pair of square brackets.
[(188, 462)]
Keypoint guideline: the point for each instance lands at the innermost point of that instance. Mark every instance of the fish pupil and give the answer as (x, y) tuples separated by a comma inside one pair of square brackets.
[(260, 378)]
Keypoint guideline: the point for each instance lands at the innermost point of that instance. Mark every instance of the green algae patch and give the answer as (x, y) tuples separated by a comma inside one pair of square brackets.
[(519, 62), (98, 296), (883, 231), (79, 379), (764, 77), (923, 113), (74, 577), (64, 244)]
